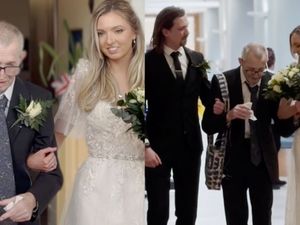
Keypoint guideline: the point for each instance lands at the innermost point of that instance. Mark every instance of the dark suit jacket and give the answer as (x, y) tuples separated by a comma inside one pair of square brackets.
[(266, 110), (172, 115), (24, 140)]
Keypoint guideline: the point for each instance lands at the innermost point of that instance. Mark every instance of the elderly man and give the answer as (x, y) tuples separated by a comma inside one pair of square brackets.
[(22, 200), (250, 161)]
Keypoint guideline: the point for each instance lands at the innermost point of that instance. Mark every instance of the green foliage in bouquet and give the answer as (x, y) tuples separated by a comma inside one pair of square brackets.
[(284, 84), (132, 110)]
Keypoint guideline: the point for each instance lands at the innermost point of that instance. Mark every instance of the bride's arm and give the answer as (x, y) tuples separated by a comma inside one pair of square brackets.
[(45, 160), (286, 110), (288, 115), (59, 138)]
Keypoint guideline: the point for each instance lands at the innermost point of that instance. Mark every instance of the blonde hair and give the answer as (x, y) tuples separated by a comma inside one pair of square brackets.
[(10, 33), (99, 84)]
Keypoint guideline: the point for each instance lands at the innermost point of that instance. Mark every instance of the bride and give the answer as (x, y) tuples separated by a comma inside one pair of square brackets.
[(109, 186), (292, 217)]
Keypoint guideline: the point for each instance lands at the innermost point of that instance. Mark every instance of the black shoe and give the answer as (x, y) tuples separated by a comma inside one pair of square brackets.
[(280, 182), (277, 184), (276, 187)]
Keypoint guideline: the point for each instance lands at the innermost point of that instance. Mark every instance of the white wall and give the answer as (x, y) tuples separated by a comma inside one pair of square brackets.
[(230, 24), (283, 18)]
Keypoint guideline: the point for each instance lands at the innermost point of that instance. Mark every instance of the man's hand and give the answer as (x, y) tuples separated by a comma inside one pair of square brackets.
[(22, 210), (240, 111), (151, 158), (43, 160), (218, 107)]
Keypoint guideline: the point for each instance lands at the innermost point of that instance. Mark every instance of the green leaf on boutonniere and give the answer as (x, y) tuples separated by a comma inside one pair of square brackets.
[(203, 67), (34, 114)]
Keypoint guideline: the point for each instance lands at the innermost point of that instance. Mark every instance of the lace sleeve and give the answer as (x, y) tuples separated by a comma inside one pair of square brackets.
[(69, 119)]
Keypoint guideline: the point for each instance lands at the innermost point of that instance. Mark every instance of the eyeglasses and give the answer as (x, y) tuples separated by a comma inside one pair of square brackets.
[(254, 70), (11, 70)]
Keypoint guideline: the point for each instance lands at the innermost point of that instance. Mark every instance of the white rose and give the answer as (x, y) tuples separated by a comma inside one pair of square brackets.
[(140, 94), (278, 77), (35, 110), (295, 70), (277, 89), (285, 71), (270, 82), (132, 101), (29, 108), (141, 98), (291, 73)]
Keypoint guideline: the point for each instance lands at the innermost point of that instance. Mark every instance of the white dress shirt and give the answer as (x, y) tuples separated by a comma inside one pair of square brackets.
[(182, 58), (247, 98)]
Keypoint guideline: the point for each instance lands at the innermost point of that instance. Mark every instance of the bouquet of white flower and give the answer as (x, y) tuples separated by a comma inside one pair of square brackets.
[(132, 110), (284, 84)]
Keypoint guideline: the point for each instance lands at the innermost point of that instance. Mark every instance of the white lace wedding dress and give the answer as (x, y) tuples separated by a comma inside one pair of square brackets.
[(109, 186), (292, 216)]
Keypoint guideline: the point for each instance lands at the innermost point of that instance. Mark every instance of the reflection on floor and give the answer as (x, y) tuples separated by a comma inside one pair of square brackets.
[(211, 211), (210, 203)]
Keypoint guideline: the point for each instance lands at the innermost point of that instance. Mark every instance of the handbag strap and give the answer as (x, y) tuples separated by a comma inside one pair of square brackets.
[(225, 96), (224, 90)]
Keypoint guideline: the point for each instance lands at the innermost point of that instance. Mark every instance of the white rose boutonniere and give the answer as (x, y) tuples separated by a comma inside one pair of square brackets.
[(34, 114), (202, 67)]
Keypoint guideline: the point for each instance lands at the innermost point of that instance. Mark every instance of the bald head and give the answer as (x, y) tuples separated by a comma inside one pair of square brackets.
[(253, 62), (255, 50)]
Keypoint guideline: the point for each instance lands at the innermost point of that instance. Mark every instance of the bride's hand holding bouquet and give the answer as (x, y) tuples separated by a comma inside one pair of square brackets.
[(285, 88)]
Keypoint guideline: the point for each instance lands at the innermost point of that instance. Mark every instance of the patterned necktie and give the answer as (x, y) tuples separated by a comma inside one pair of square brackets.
[(255, 153), (7, 184), (178, 70)]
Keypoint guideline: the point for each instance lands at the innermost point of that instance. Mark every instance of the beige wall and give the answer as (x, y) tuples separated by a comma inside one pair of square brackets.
[(78, 16), (17, 13)]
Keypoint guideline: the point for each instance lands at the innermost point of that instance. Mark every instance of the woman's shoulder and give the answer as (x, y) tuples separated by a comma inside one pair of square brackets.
[(82, 68), (83, 64)]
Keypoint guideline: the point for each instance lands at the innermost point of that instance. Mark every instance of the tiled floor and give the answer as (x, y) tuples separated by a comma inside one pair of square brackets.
[(210, 205)]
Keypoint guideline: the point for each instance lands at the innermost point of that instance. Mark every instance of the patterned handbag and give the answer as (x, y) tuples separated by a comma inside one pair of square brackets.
[(215, 153)]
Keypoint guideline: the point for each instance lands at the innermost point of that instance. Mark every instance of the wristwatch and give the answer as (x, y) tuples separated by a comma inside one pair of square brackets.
[(147, 143), (35, 212)]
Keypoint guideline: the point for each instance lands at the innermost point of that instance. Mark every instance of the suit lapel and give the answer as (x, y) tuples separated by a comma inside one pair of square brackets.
[(19, 88), (161, 60), (263, 84), (191, 61), (235, 84)]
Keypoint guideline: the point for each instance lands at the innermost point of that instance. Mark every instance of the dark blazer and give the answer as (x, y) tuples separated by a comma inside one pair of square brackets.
[(172, 114), (24, 140), (266, 110)]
